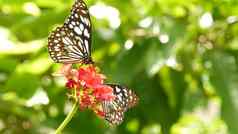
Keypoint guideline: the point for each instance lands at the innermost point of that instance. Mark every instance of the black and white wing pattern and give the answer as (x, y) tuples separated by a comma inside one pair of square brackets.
[(114, 110), (71, 43)]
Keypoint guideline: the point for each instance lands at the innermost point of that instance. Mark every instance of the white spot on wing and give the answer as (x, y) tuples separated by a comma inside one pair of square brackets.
[(70, 26), (82, 19), (81, 26), (131, 97), (56, 49), (56, 41), (120, 98), (77, 30), (84, 12), (86, 33), (73, 23), (86, 45), (118, 89)]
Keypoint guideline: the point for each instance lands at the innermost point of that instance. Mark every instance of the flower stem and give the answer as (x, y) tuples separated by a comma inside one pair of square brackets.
[(68, 118)]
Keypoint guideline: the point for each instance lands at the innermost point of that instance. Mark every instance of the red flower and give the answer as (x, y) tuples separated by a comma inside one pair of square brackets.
[(103, 93), (89, 77), (70, 84), (85, 100), (89, 85)]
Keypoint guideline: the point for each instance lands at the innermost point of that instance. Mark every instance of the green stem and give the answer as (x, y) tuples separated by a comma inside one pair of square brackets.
[(68, 118)]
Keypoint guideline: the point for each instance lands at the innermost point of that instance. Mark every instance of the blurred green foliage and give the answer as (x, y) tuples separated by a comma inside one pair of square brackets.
[(180, 56)]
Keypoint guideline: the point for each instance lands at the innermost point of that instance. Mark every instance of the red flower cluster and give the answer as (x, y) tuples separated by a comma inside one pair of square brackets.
[(89, 85)]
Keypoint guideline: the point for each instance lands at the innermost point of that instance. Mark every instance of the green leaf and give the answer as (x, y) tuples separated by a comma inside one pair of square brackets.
[(223, 76), (23, 84), (8, 64), (37, 66)]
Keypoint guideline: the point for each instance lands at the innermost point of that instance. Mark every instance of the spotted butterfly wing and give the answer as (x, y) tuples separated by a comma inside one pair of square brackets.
[(124, 99), (71, 43)]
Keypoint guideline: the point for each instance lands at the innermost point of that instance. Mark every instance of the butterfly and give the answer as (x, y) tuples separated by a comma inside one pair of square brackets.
[(71, 43), (124, 99)]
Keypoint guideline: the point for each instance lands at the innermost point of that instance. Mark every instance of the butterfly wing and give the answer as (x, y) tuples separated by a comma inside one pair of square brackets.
[(71, 43), (124, 99), (115, 117)]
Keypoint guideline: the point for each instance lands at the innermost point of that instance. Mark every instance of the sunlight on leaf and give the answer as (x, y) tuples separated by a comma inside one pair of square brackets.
[(152, 129), (40, 97), (37, 66), (133, 126), (31, 8), (101, 11)]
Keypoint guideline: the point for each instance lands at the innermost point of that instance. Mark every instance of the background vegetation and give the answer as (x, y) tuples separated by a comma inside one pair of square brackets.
[(180, 56)]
